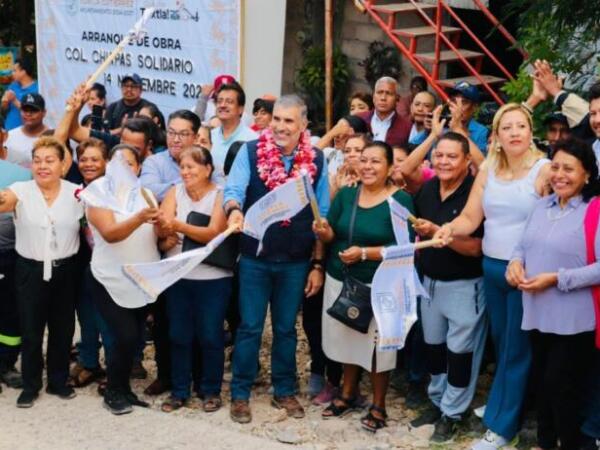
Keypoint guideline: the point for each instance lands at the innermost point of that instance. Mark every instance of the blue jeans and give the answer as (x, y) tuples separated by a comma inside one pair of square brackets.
[(92, 326), (513, 351), (196, 311), (261, 282)]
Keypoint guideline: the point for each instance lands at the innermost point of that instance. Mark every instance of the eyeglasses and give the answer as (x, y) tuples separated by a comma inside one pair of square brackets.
[(179, 134)]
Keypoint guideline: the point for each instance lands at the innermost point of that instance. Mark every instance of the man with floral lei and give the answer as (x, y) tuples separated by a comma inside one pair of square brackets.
[(290, 263)]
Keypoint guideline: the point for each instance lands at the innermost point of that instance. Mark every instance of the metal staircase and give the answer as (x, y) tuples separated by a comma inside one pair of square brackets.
[(446, 40)]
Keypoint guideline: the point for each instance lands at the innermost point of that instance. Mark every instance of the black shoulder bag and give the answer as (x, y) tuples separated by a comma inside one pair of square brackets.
[(353, 305)]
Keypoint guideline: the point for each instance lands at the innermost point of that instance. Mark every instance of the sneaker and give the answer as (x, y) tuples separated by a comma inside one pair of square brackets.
[(291, 405), (138, 372), (316, 383), (240, 411), (429, 416), (116, 403), (64, 392), (445, 429), (493, 441), (12, 378), (326, 395), (26, 399)]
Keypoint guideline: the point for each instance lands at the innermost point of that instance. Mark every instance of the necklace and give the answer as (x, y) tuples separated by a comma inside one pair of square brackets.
[(271, 169)]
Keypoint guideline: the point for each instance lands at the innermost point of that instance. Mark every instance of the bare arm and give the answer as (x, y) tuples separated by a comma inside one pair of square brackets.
[(471, 216), (111, 230), (204, 235), (8, 201), (339, 129)]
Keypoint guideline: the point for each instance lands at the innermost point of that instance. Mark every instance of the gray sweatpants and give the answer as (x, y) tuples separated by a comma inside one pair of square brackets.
[(455, 329)]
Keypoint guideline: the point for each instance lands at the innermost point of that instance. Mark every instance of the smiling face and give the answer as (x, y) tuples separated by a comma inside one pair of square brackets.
[(595, 116), (228, 107), (287, 126), (91, 164), (180, 135), (450, 161), (514, 133), (567, 175), (374, 168), (46, 166), (193, 173)]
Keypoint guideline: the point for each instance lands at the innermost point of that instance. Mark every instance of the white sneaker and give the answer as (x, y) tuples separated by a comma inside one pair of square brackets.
[(492, 441)]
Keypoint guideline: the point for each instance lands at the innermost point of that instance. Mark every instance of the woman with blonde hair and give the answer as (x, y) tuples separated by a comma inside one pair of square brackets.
[(513, 177)]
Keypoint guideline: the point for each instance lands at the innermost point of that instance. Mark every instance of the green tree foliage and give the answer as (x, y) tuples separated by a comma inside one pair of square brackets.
[(564, 32)]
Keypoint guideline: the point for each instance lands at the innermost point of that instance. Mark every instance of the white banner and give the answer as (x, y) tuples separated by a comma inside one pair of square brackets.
[(399, 216), (188, 43), (153, 278), (282, 203), (117, 190), (394, 293)]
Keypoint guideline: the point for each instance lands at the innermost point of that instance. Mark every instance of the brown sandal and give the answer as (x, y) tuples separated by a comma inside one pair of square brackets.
[(82, 377), (171, 404), (212, 404)]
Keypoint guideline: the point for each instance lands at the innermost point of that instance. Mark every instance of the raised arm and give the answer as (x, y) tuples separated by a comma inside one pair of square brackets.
[(8, 201)]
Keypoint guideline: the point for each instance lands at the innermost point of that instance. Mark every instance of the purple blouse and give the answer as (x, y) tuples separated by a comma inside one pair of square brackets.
[(554, 241)]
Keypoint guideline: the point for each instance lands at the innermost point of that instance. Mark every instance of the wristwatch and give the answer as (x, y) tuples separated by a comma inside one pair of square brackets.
[(363, 254)]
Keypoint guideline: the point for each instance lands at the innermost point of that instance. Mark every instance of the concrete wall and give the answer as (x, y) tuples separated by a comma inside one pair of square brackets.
[(358, 31)]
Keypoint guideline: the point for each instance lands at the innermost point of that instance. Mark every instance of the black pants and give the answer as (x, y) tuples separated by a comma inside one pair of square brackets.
[(160, 335), (10, 334), (127, 326), (560, 366), (312, 310), (44, 303)]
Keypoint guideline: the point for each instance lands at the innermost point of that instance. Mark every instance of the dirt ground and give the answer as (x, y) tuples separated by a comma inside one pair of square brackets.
[(82, 423)]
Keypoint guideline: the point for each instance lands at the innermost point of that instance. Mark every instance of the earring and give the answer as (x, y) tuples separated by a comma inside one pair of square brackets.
[(498, 148), (587, 181)]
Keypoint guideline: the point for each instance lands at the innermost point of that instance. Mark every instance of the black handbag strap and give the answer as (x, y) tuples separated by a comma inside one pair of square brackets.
[(352, 220)]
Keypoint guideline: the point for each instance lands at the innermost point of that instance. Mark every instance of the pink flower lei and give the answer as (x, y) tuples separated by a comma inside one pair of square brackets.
[(270, 163)]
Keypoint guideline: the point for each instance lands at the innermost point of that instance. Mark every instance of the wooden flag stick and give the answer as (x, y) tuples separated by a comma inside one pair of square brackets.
[(412, 219), (315, 210), (232, 229), (149, 198), (432, 242)]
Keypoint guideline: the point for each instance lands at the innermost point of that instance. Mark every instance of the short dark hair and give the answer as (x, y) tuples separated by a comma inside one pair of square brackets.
[(420, 82), (584, 153), (241, 95), (364, 97), (594, 92), (100, 90), (261, 103), (188, 115), (26, 63), (141, 125), (387, 149), (456, 137), (92, 142)]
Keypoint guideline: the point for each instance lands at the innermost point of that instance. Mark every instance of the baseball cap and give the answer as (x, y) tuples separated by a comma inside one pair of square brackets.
[(466, 89), (134, 77), (221, 80), (35, 101)]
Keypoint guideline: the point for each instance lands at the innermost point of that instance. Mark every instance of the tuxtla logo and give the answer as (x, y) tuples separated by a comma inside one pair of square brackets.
[(72, 6)]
